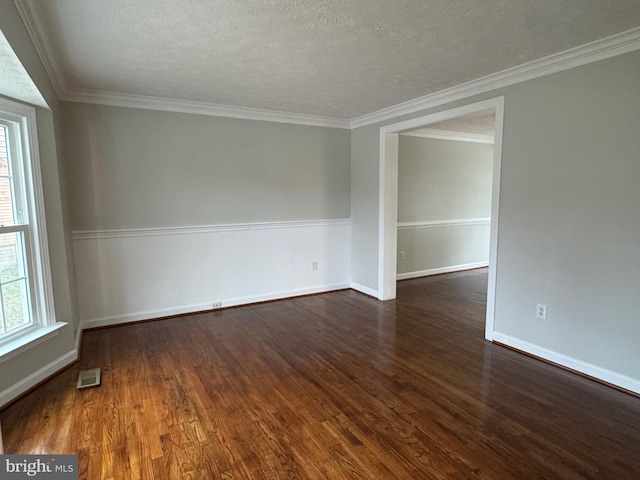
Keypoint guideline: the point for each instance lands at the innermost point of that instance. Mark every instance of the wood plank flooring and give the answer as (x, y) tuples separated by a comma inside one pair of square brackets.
[(332, 386)]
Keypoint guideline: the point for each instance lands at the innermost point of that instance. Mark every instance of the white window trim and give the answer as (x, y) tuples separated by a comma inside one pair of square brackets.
[(41, 283), (31, 339)]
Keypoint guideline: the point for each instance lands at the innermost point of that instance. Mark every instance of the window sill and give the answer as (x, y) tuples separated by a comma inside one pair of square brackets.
[(28, 341)]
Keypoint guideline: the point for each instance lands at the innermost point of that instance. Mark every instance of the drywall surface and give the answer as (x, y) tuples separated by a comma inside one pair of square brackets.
[(132, 168), (443, 179)]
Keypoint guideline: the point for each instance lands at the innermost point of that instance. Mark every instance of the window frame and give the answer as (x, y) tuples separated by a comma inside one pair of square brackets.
[(20, 122)]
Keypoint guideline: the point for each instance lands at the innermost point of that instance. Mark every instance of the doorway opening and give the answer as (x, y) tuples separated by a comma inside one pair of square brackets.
[(388, 208)]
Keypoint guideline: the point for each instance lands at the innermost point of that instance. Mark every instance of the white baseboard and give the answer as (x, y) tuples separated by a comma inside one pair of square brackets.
[(366, 290), (608, 376), (36, 377), (437, 271), (144, 315), (282, 295), (232, 302)]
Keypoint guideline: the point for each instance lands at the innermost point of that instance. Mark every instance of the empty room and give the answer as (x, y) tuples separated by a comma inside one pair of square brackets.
[(319, 239)]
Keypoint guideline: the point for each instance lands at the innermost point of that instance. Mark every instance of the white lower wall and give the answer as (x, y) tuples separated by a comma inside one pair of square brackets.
[(433, 247), (129, 275)]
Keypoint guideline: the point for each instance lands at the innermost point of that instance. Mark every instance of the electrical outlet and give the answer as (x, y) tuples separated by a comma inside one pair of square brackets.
[(216, 305), (314, 265), (541, 311), (402, 255)]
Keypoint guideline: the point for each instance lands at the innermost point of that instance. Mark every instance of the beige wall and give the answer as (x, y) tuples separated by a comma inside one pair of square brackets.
[(131, 168)]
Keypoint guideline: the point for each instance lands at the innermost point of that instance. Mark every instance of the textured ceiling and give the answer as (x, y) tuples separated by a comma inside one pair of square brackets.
[(479, 124), (336, 58), (14, 79)]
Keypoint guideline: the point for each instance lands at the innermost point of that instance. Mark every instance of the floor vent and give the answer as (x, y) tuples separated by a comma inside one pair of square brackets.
[(89, 378)]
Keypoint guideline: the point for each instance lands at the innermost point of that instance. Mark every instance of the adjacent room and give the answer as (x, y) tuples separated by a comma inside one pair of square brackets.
[(445, 174), (320, 239)]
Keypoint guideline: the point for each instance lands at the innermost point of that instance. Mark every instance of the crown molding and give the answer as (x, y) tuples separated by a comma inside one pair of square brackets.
[(591, 52), (618, 44), (451, 135), (200, 108), (40, 37)]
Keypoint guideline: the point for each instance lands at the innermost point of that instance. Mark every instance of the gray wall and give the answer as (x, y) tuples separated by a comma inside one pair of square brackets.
[(130, 168), (569, 230), (443, 180), (365, 178), (25, 364)]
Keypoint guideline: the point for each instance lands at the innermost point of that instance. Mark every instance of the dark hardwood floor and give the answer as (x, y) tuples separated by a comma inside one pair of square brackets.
[(336, 386)]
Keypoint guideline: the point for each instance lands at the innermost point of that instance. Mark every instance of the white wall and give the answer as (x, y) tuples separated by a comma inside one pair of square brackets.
[(171, 212), (131, 275), (568, 235), (444, 205)]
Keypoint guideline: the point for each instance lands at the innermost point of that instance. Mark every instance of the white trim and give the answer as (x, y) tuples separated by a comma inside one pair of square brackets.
[(36, 25), (462, 222), (614, 378), (492, 280), (79, 338), (608, 47), (24, 385), (184, 309), (42, 265), (29, 340), (450, 135), (139, 316), (438, 271), (36, 238), (198, 229), (364, 289), (388, 214), (388, 194), (201, 108)]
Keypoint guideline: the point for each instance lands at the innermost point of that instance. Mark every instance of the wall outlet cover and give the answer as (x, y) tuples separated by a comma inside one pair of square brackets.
[(541, 311)]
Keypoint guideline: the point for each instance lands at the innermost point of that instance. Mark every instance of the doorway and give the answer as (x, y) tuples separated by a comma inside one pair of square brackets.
[(388, 208)]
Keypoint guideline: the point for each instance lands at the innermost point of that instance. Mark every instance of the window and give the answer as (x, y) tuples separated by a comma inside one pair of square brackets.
[(25, 283)]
